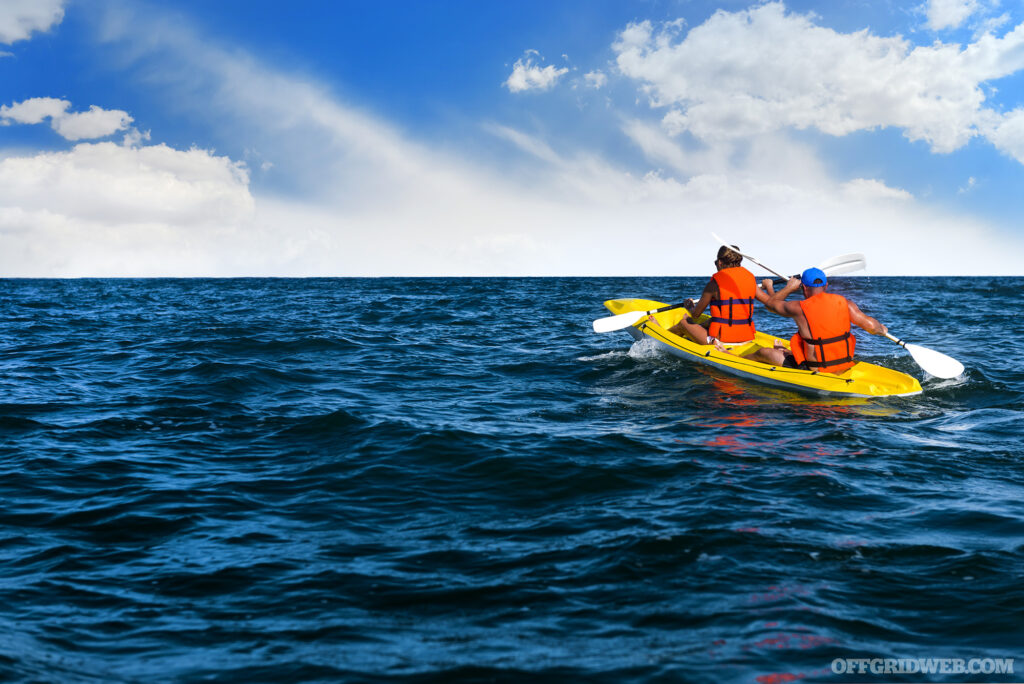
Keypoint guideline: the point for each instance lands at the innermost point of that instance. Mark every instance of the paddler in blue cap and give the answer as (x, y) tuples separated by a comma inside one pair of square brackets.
[(824, 341), (730, 293)]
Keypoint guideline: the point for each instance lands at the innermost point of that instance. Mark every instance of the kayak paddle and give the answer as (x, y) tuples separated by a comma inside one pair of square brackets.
[(846, 263), (931, 362), (747, 256), (624, 320), (833, 266)]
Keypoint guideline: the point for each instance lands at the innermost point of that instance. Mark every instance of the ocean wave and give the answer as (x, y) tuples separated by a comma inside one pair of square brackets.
[(423, 479)]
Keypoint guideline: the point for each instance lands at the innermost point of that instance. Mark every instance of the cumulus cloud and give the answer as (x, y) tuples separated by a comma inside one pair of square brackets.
[(949, 14), (116, 184), (34, 110), (527, 75), (89, 209), (95, 123), (765, 69), (20, 18)]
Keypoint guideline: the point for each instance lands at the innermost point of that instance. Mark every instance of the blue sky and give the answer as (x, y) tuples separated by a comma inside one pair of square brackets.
[(581, 137)]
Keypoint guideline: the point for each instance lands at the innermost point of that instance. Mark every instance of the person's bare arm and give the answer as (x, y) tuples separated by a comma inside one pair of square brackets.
[(710, 290), (862, 320), (764, 293), (777, 302)]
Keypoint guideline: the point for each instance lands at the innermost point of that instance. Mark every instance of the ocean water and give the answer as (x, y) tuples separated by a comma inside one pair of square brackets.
[(457, 480)]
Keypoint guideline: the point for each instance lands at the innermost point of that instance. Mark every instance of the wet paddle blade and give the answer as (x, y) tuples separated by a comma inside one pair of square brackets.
[(618, 321), (847, 263), (935, 363)]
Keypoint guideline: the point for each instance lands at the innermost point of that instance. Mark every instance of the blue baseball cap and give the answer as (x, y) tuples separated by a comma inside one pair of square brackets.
[(814, 277)]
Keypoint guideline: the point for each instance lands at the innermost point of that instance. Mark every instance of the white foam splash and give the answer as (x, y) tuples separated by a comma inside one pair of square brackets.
[(644, 349), (938, 383), (603, 357)]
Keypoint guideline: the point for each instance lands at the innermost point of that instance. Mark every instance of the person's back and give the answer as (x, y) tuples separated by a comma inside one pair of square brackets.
[(830, 344), (730, 293), (824, 339), (732, 312)]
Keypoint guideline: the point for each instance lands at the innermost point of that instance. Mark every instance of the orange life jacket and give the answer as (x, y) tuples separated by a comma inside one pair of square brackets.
[(732, 314), (828, 318)]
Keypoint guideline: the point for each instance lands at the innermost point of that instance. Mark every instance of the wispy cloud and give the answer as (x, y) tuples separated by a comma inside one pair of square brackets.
[(595, 79), (949, 14)]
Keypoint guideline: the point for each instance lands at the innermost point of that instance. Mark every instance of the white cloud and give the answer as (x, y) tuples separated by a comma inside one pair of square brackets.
[(526, 75), (95, 123), (596, 79), (20, 18), (762, 70), (376, 202), (34, 110), (530, 145), (867, 189), (114, 184), (949, 14), (134, 137), (101, 208), (1007, 133), (991, 24)]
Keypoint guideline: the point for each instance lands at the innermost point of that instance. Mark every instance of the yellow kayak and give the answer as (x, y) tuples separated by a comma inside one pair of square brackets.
[(862, 380)]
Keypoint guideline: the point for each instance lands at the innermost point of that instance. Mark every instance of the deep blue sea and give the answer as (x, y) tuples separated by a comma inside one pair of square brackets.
[(457, 480)]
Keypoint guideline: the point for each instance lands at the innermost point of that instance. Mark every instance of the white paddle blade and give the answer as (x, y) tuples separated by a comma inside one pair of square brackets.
[(726, 244), (847, 263), (720, 240), (618, 321), (935, 363)]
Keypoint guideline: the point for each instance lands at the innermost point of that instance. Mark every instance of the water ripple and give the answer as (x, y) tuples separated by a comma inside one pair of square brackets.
[(427, 479)]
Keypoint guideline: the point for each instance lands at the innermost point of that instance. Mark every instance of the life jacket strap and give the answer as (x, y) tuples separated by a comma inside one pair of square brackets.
[(732, 321), (833, 362), (731, 301), (829, 340)]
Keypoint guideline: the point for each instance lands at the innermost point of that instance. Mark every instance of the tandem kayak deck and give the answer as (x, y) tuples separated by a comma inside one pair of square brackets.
[(862, 380)]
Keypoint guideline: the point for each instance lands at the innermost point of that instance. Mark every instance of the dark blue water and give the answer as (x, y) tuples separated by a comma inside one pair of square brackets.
[(435, 480)]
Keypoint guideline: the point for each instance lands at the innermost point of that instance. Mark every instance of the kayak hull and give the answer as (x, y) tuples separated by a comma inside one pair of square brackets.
[(862, 380)]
